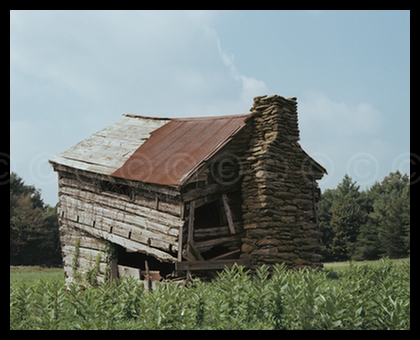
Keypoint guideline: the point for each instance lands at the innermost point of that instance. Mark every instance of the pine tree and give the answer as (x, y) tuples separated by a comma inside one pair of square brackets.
[(368, 224), (348, 187), (387, 232), (367, 244), (345, 222), (392, 229), (325, 205), (340, 212), (406, 216)]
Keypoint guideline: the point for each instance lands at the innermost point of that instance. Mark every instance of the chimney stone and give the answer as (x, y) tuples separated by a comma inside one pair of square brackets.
[(279, 198)]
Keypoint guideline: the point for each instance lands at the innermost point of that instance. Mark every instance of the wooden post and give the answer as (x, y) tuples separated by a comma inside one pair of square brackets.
[(148, 281), (191, 222), (190, 232), (228, 214), (180, 242), (181, 209)]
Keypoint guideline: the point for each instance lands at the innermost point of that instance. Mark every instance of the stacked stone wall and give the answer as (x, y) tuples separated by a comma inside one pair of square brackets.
[(279, 190)]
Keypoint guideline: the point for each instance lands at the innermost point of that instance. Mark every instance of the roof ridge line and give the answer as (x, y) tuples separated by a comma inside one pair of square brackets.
[(146, 117), (213, 117), (188, 118)]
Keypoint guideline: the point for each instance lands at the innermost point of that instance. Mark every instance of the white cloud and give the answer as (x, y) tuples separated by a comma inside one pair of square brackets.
[(227, 59), (159, 61), (320, 113), (77, 71), (344, 137), (251, 87)]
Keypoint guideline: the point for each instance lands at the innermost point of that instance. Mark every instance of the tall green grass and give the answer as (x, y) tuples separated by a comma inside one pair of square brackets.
[(358, 297)]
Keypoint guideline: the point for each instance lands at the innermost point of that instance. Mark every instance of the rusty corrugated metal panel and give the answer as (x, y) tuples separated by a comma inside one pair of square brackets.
[(175, 150)]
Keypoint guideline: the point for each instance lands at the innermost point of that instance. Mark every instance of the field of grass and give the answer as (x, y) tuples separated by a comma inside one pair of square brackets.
[(35, 273), (26, 274), (334, 265), (343, 296)]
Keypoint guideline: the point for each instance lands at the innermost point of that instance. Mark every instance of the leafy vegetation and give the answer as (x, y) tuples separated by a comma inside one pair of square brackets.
[(34, 233), (352, 297), (366, 225)]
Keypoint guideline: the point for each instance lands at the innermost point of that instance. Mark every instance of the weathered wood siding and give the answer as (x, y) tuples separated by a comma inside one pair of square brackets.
[(89, 247), (84, 211)]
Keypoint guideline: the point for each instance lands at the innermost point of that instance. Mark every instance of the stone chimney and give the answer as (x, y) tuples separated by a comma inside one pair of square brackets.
[(279, 189)]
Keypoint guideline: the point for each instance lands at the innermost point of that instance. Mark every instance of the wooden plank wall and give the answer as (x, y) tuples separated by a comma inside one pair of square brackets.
[(89, 247), (86, 212)]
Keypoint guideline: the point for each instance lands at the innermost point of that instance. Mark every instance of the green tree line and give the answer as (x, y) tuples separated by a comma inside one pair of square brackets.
[(355, 224), (366, 225), (34, 232)]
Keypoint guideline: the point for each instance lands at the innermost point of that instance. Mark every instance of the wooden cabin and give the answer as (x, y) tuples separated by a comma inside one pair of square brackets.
[(160, 197)]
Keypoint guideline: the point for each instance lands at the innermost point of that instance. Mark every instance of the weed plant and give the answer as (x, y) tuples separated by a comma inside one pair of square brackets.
[(358, 297)]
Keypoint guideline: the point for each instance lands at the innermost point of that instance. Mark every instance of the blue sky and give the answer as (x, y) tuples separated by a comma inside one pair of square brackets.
[(74, 72)]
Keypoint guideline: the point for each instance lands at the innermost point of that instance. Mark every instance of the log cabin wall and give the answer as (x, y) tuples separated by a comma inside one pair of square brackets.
[(89, 247), (279, 190), (94, 210)]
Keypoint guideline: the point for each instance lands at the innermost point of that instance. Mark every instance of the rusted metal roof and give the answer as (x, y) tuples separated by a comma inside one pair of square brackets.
[(177, 149)]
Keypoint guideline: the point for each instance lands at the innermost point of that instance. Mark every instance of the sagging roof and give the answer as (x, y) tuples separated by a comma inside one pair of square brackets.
[(177, 149), (154, 150)]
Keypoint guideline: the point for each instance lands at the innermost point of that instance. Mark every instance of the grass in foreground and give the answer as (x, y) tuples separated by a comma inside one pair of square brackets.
[(362, 297)]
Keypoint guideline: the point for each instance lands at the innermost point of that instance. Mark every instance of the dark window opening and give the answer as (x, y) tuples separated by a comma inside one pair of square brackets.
[(210, 215), (137, 260)]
